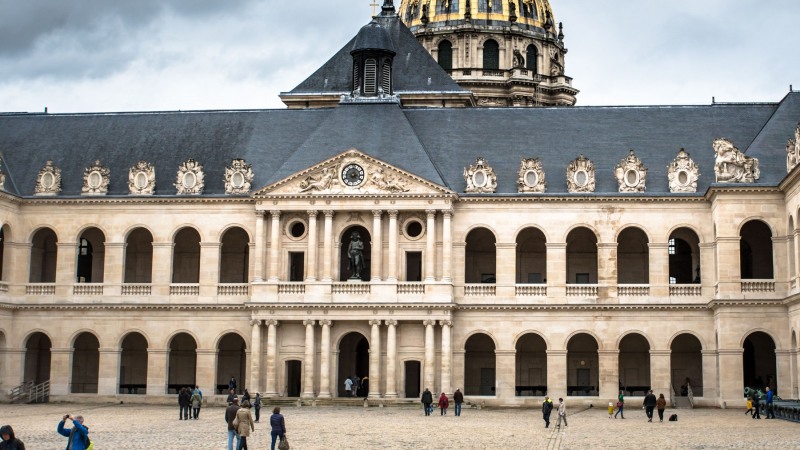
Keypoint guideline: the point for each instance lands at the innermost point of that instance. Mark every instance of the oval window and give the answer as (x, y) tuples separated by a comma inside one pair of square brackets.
[(632, 178), (189, 180), (683, 178), (237, 180), (297, 229), (581, 178), (95, 179), (531, 178), (479, 178), (48, 180), (414, 229), (141, 180)]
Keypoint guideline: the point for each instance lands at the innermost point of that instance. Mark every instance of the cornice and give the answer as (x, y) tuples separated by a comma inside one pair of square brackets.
[(568, 307), (352, 196), (716, 304), (120, 307), (137, 200), (10, 198), (573, 198), (718, 188), (352, 306)]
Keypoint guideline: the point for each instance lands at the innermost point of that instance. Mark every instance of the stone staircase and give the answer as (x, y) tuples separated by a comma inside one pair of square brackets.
[(31, 393)]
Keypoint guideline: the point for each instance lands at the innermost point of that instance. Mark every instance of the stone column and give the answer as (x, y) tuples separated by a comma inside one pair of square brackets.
[(157, 371), (392, 276), (60, 370), (272, 355), (557, 273), (447, 246), (275, 246), (729, 276), (258, 257), (308, 360), (447, 356), (710, 384), (796, 252), (661, 372), (430, 355), (505, 380), (206, 371), (66, 266), (391, 359), (327, 247), (325, 360), (108, 376), (730, 363), (659, 269), (16, 260), (557, 372), (375, 359), (255, 356), (377, 245), (209, 268), (313, 243), (12, 371), (607, 271), (430, 246), (113, 275), (608, 368), (162, 268), (784, 376)]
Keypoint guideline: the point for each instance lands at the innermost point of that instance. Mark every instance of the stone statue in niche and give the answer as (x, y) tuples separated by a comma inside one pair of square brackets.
[(580, 175), (519, 60), (95, 180), (683, 173), (321, 182), (142, 179), (733, 166), (793, 150), (355, 252), (48, 182), (631, 174), (190, 178), (531, 176), (480, 177)]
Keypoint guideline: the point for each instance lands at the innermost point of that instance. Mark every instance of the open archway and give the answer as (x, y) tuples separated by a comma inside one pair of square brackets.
[(633, 257), (759, 363), (353, 358), (37, 358), (684, 257), (480, 258), (583, 365), (90, 266), (139, 256), (44, 252), (234, 263), (85, 364), (531, 364), (531, 256), (686, 362), (480, 365), (581, 256), (634, 364), (755, 251), (182, 366), (231, 359), (186, 257), (133, 365)]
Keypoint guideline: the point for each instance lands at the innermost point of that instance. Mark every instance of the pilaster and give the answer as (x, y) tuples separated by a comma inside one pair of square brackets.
[(505, 384), (557, 371), (66, 264), (659, 270), (392, 275), (609, 373), (272, 355), (325, 360), (157, 371), (108, 376), (274, 246), (255, 356), (313, 243), (391, 359), (162, 269), (206, 370), (260, 248), (113, 275), (447, 245), (209, 268), (308, 360), (375, 359), (660, 372), (607, 270), (430, 246), (60, 370), (377, 245), (428, 366), (447, 355)]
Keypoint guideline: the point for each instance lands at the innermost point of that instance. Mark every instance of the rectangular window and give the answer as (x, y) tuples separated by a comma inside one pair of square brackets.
[(370, 76), (296, 266), (413, 266)]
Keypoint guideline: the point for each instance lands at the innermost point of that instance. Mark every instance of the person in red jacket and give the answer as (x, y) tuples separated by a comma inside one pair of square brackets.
[(443, 403)]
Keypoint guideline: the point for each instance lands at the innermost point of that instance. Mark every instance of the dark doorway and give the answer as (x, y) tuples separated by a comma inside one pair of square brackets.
[(413, 266), (231, 358), (686, 361), (182, 364), (294, 376), (344, 258), (413, 378), (296, 266), (85, 364), (133, 365), (479, 365), (759, 363), (353, 358), (37, 358)]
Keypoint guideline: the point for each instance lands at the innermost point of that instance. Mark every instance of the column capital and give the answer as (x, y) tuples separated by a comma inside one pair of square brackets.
[(310, 322), (312, 213), (329, 212), (260, 213), (429, 323), (273, 322), (375, 322), (430, 213), (377, 213), (255, 322), (391, 322), (325, 322), (275, 213), (447, 213), (393, 213), (446, 323)]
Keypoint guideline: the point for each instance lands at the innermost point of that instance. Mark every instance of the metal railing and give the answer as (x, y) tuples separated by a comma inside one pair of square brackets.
[(31, 393)]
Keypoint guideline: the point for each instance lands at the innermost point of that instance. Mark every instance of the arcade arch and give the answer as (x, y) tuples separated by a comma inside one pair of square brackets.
[(633, 257), (231, 360), (182, 362), (186, 256), (684, 256), (91, 256), (133, 364), (759, 363), (531, 364), (686, 363), (755, 251), (581, 256), (480, 365), (139, 256), (583, 365), (85, 364), (353, 359), (531, 256), (44, 251), (234, 261), (480, 259), (634, 362)]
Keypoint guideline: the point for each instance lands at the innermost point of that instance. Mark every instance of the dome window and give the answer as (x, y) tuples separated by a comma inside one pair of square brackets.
[(370, 76), (533, 57), (446, 55), (491, 55)]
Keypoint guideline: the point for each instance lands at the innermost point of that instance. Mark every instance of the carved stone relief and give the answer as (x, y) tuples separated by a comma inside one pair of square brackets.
[(631, 174), (48, 182), (580, 175), (480, 177), (531, 176), (142, 179), (238, 177), (96, 179), (492, 101), (321, 181), (733, 166), (793, 150), (190, 178), (386, 182), (683, 173)]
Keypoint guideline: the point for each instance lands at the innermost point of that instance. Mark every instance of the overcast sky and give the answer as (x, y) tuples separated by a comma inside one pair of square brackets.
[(134, 55)]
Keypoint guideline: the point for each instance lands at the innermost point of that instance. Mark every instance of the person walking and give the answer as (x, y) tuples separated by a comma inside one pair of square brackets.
[(9, 442), (649, 405), (78, 435), (661, 404), (458, 398), (427, 400), (231, 397), (184, 401), (230, 414), (257, 405), (562, 413), (244, 424), (232, 384), (610, 410), (197, 402), (620, 405), (768, 406), (348, 387), (547, 408), (245, 397), (749, 407), (756, 406), (278, 425), (444, 402), (365, 386)]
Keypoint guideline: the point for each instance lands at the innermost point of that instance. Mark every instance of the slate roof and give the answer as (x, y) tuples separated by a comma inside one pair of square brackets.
[(435, 144), (414, 69)]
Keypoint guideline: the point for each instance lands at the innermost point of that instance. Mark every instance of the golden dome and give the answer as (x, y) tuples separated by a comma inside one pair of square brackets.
[(530, 14)]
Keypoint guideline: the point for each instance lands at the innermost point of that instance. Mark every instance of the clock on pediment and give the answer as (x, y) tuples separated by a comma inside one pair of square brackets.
[(352, 175)]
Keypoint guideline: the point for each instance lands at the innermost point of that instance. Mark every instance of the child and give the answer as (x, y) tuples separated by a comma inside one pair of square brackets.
[(749, 407), (610, 409)]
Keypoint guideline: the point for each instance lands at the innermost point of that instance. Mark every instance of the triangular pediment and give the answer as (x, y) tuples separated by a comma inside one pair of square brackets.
[(352, 173)]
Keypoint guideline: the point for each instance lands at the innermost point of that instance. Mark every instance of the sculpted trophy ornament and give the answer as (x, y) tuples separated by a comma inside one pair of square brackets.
[(324, 181), (48, 182), (95, 180), (389, 183), (793, 150), (580, 175), (190, 178), (142, 179), (238, 177), (531, 176), (631, 174), (480, 177), (733, 166), (683, 173)]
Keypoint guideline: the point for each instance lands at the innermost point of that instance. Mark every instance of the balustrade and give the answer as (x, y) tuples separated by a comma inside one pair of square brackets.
[(233, 289), (184, 289), (480, 290), (582, 290), (690, 290), (758, 285), (87, 289), (531, 290), (137, 289), (633, 290), (40, 289)]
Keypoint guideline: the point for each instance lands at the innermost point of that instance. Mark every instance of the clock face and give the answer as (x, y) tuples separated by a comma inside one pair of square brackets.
[(352, 175)]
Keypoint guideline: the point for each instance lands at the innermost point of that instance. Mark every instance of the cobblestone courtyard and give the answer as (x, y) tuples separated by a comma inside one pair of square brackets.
[(157, 427)]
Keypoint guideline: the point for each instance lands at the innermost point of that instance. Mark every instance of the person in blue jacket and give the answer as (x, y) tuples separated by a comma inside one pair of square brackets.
[(768, 407), (78, 435)]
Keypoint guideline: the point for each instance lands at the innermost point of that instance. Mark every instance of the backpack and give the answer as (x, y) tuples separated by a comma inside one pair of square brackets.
[(673, 418)]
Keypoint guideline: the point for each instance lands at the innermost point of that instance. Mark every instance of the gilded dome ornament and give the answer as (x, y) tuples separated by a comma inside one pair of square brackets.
[(48, 182), (683, 173), (96, 179)]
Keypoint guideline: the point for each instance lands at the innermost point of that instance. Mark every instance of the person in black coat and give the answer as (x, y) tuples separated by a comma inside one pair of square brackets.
[(458, 399), (184, 402), (8, 440), (427, 400), (547, 408), (650, 404)]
